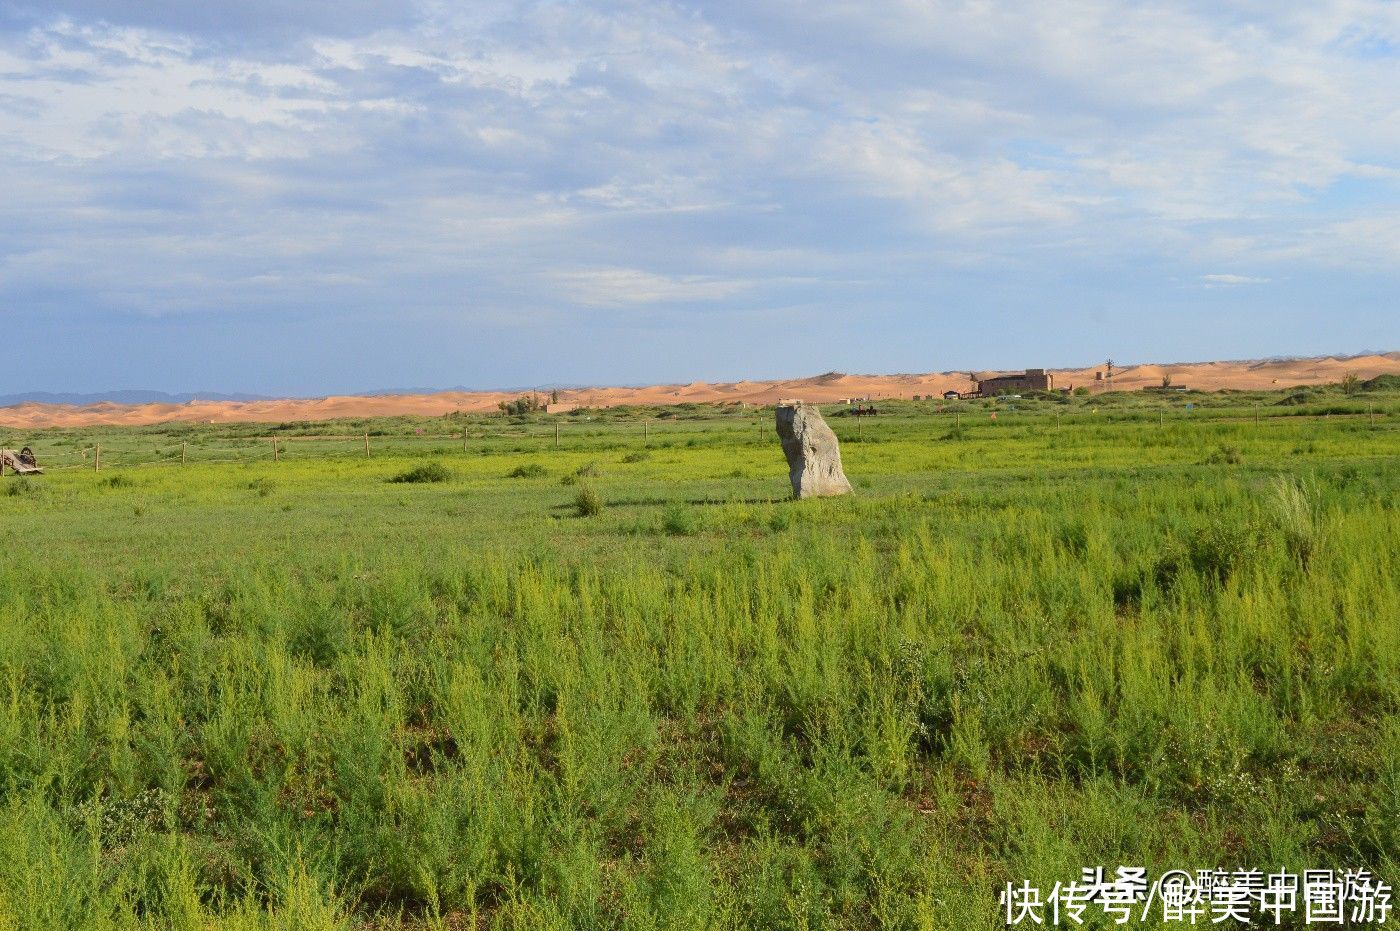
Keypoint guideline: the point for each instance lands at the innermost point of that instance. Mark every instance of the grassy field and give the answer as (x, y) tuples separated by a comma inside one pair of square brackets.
[(302, 695)]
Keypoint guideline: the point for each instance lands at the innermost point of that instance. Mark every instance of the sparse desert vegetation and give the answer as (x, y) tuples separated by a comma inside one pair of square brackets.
[(257, 694)]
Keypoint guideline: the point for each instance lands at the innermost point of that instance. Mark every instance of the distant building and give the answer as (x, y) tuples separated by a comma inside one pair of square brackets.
[(951, 395), (1032, 380)]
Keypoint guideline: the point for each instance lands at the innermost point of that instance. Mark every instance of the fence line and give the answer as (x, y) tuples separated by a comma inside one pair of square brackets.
[(550, 434)]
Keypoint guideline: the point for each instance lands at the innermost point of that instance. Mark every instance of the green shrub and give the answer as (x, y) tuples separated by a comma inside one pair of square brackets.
[(428, 472), (639, 456), (22, 488), (531, 470), (525, 404), (587, 470), (588, 503), (680, 520), (1224, 455), (116, 481), (1220, 550)]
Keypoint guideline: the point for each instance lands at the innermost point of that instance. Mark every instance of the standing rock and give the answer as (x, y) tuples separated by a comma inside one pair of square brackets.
[(814, 458)]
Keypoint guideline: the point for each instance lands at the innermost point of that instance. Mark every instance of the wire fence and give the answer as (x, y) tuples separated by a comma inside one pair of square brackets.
[(55, 455), (143, 449)]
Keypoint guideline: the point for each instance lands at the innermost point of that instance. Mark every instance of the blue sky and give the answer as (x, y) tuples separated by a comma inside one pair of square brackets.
[(324, 196)]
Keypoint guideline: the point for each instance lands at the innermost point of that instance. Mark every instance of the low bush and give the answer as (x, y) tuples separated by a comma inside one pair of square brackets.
[(1219, 550), (23, 488), (1224, 455), (588, 503), (680, 521), (428, 472), (262, 487)]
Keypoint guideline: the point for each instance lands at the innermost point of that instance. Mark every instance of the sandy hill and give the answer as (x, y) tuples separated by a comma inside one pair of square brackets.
[(830, 386)]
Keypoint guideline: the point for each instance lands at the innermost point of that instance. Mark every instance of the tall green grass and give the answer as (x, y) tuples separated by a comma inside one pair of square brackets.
[(294, 695)]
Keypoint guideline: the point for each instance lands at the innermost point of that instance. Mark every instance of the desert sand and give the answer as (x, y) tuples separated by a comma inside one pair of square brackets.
[(833, 386)]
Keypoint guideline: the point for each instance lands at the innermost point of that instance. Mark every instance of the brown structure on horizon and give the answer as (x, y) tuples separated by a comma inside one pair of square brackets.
[(1032, 380)]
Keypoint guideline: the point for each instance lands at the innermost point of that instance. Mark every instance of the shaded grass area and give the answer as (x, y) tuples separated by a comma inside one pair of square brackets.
[(295, 695)]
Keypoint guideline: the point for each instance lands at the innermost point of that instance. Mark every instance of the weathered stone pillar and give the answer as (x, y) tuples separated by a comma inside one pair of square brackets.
[(814, 458)]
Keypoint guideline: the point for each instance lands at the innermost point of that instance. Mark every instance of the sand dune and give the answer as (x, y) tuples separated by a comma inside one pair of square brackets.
[(829, 386)]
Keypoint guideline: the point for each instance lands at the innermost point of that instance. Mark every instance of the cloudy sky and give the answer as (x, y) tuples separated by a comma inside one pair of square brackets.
[(308, 197)]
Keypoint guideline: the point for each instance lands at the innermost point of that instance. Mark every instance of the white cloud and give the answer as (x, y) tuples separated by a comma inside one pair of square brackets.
[(662, 154), (622, 287), (1227, 280)]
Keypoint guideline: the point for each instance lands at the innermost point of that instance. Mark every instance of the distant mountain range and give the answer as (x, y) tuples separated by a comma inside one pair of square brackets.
[(137, 396), (1206, 375), (130, 396)]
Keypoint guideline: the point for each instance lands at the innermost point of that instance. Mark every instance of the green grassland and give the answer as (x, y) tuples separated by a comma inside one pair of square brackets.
[(238, 693)]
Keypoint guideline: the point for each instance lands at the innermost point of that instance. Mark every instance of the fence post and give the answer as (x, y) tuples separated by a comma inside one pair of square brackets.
[(644, 429), (464, 439), (97, 457), (276, 455), (1162, 417), (366, 445), (556, 434), (1371, 412), (182, 453)]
